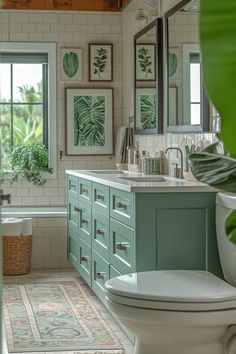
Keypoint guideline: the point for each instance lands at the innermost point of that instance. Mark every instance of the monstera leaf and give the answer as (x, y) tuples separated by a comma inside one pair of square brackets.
[(70, 64), (173, 64), (217, 39), (230, 227)]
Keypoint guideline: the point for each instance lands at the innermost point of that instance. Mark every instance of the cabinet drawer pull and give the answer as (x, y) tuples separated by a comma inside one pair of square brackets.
[(77, 209), (84, 221), (100, 232), (73, 186), (100, 197), (122, 245), (101, 275), (84, 190), (84, 258), (120, 205)]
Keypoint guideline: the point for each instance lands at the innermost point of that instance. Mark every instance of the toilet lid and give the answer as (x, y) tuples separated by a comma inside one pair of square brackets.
[(176, 290)]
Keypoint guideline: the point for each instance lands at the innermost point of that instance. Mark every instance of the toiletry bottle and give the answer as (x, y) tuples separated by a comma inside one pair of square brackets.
[(136, 157), (130, 150)]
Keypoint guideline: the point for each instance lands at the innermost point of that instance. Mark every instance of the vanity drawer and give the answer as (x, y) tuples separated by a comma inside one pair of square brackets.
[(73, 186), (100, 234), (100, 198), (73, 249), (122, 247), (100, 274), (85, 190), (73, 214), (114, 272), (85, 261), (122, 206), (85, 222)]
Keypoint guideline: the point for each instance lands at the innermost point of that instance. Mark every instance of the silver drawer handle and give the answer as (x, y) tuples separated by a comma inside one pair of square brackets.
[(101, 275), (73, 186), (122, 245), (77, 209), (84, 258), (84, 190), (84, 221), (120, 205), (100, 197), (100, 232)]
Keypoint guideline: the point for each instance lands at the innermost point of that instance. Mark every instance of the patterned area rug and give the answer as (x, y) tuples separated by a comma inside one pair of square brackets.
[(57, 315)]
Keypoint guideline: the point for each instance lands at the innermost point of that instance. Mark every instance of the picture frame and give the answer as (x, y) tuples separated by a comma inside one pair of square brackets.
[(146, 62), (89, 121), (71, 64), (174, 63), (146, 108), (100, 62)]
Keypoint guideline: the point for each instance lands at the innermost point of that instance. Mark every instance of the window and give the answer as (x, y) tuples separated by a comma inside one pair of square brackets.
[(27, 96), (191, 84)]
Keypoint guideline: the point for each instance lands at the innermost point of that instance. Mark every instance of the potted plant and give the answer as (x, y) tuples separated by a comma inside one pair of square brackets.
[(28, 162), (216, 165)]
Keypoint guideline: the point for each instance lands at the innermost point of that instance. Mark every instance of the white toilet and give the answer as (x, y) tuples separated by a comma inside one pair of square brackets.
[(181, 311)]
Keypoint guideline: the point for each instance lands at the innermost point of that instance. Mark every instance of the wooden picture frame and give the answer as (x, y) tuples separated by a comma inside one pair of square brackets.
[(100, 62), (89, 134)]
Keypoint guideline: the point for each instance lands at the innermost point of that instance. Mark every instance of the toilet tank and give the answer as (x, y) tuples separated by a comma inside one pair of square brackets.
[(225, 204)]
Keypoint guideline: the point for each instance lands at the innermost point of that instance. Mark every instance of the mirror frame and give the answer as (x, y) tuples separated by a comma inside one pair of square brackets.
[(158, 23), (204, 125)]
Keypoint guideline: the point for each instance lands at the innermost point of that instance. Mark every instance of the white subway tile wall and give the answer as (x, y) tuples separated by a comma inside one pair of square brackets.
[(50, 243), (69, 30)]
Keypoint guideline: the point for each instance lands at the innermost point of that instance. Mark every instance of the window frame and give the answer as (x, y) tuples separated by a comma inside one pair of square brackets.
[(50, 49)]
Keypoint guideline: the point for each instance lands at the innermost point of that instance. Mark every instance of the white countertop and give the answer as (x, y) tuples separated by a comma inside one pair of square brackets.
[(118, 179)]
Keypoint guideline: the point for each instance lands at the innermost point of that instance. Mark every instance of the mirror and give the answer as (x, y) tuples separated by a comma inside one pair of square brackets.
[(188, 108), (148, 78)]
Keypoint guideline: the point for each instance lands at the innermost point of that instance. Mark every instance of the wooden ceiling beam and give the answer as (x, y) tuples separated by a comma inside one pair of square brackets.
[(66, 5)]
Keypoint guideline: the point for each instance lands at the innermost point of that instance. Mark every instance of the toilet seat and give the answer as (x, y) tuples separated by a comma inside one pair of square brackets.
[(175, 290)]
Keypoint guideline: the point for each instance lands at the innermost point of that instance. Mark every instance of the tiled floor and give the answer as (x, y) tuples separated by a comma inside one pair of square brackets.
[(127, 345)]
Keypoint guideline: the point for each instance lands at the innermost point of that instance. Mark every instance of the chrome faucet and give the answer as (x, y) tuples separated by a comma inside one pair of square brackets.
[(181, 161)]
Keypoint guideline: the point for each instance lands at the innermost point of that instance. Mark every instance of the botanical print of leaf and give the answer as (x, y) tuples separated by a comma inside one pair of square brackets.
[(89, 120), (230, 227), (148, 114), (144, 60), (100, 62), (173, 64), (70, 64)]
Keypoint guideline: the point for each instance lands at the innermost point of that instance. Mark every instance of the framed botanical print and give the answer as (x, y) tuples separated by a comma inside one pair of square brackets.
[(145, 62), (89, 121), (146, 108), (71, 64), (100, 62)]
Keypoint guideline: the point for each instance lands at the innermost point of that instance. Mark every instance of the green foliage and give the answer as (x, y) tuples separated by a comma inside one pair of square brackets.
[(89, 116), (148, 111), (101, 61), (27, 120), (217, 39), (144, 60), (70, 64), (28, 162), (173, 64)]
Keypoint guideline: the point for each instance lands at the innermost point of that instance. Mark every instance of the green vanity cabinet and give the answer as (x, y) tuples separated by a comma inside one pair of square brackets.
[(113, 232)]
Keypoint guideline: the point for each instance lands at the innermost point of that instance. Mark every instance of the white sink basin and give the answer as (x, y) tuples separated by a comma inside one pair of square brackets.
[(144, 178)]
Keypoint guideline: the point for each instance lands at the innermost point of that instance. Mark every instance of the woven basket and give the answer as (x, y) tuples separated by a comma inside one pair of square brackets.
[(17, 251)]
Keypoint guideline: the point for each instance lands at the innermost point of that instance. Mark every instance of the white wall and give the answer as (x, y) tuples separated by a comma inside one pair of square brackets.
[(71, 30)]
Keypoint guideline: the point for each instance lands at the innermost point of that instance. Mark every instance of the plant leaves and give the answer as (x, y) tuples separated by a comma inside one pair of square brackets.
[(173, 63), (70, 64), (218, 48), (211, 166), (230, 227)]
